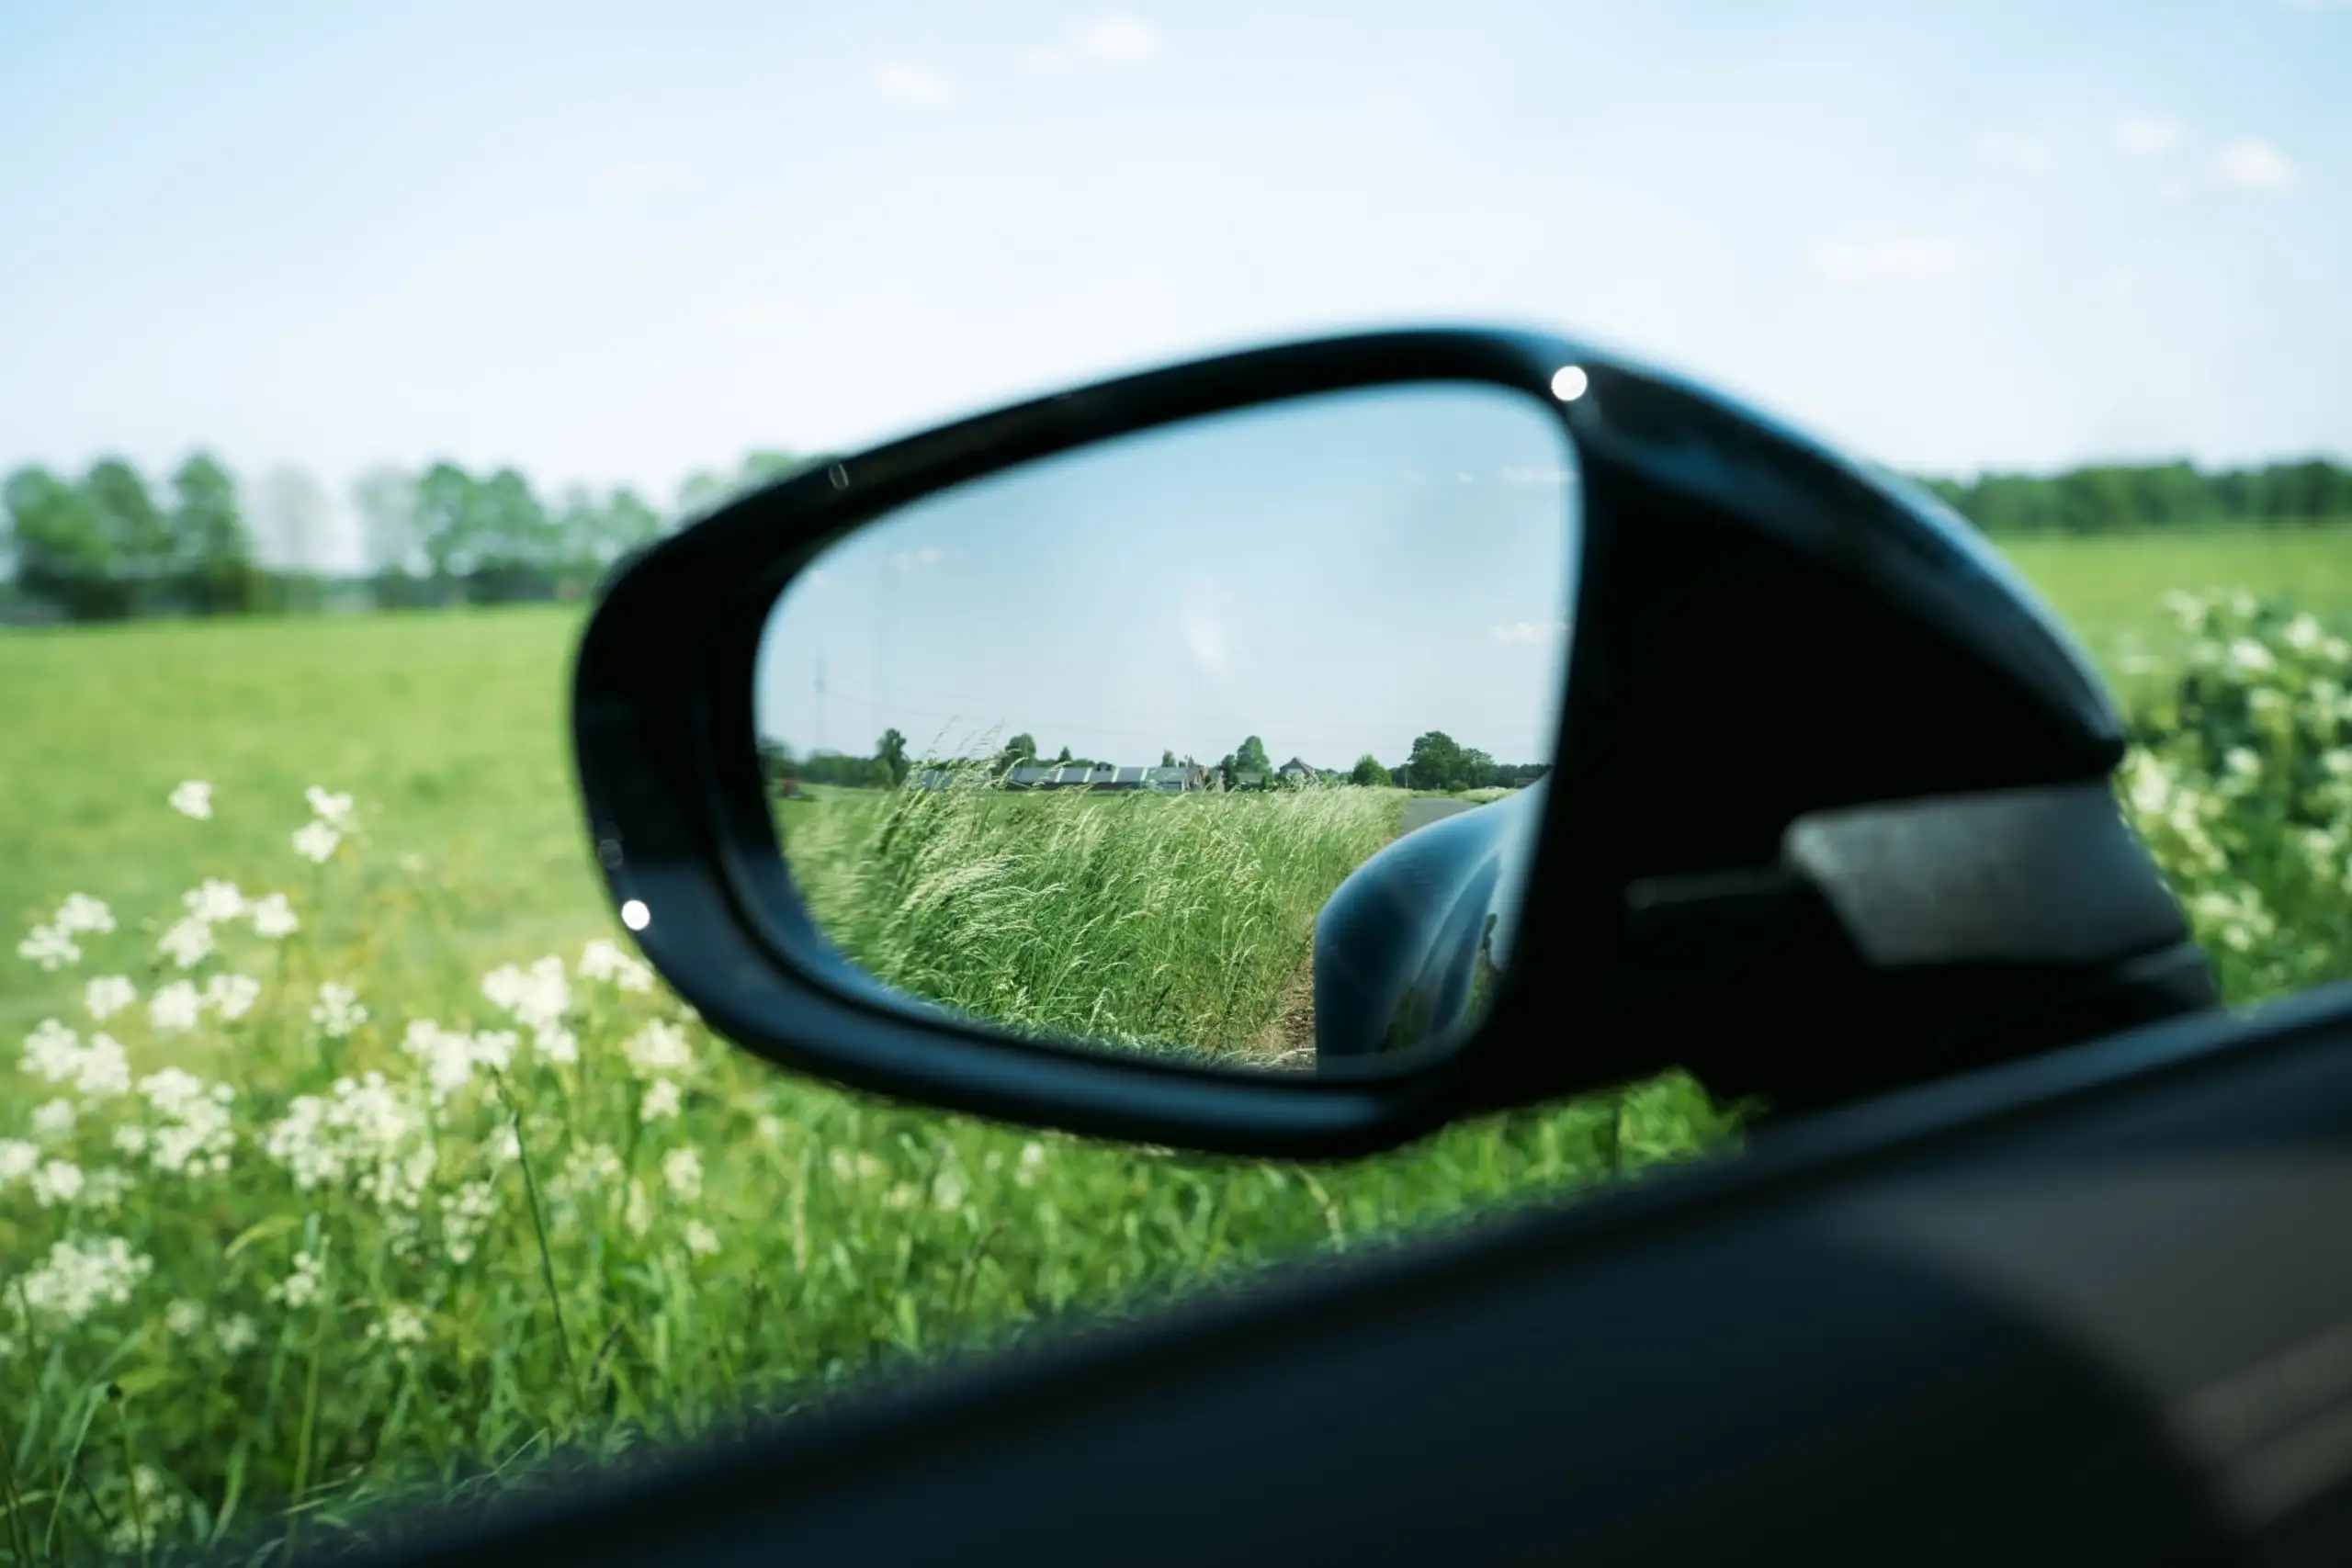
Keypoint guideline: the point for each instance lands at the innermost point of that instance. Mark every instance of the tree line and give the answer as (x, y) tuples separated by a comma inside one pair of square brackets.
[(2117, 498), (108, 545), (1435, 761)]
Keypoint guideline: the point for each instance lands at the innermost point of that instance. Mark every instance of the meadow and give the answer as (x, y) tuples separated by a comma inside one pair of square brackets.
[(354, 1157)]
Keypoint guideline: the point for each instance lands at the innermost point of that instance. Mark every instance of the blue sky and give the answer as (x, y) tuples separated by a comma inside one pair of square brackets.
[(613, 243), (1335, 575)]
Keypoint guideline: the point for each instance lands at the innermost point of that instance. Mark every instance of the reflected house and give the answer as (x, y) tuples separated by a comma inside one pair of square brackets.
[(1103, 777), (1073, 775)]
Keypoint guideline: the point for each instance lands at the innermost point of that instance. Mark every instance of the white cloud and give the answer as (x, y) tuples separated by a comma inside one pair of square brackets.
[(2013, 151), (1535, 632), (1208, 624), (903, 82), (1110, 40), (1116, 40), (2252, 163), (766, 316), (1902, 258), (638, 177), (915, 561), (2147, 135)]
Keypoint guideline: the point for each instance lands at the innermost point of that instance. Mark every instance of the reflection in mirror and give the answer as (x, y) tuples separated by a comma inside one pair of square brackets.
[(1089, 748)]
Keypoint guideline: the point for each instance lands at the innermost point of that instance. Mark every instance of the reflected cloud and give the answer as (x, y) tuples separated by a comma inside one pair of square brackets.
[(915, 561), (1529, 632), (1210, 630)]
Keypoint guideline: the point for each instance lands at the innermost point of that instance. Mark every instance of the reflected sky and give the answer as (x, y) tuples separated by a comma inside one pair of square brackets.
[(1335, 574)]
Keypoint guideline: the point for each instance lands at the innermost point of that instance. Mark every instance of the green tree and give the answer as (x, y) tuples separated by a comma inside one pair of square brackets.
[(141, 535), (213, 547), (1436, 763), (63, 553), (891, 751), (1368, 773), (1250, 757)]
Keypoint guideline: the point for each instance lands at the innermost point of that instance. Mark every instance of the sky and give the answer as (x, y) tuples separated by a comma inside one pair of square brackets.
[(1335, 575), (615, 244)]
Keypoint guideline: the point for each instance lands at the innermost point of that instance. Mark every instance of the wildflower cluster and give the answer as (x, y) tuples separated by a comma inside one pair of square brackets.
[(2240, 778)]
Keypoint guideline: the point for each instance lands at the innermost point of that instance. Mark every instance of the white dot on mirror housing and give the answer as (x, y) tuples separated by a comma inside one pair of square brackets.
[(1568, 383), (634, 915)]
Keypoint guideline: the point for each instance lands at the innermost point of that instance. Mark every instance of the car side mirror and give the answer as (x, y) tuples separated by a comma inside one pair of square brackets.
[(1719, 751)]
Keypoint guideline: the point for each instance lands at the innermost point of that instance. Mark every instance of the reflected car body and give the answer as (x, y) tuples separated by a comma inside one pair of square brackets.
[(1406, 947)]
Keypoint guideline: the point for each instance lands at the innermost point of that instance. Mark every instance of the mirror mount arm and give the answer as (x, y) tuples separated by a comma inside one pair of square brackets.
[(1903, 941)]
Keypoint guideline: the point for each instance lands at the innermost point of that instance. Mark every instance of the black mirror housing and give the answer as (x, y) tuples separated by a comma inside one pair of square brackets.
[(1764, 634)]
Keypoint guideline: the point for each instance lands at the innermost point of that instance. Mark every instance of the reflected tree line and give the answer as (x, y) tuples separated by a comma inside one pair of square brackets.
[(1436, 762)]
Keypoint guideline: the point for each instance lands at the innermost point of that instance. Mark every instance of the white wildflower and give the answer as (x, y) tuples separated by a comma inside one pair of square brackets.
[(445, 1054), (272, 916), (176, 1007), (214, 902), (55, 1119), (402, 1328), (560, 1046), (236, 1333), (81, 913), (364, 1130), (638, 1212), (305, 1284), (948, 1190), (18, 1159), (2303, 633), (768, 1128), (153, 1509), (682, 1173), (2191, 609), (493, 1048), (659, 1047), (2249, 655), (52, 1051), (316, 842), (231, 996), (1033, 1160), (661, 1100), (184, 1317), (102, 1189), (335, 810), (187, 941), (78, 1278), (465, 1215), (193, 798), (594, 1167), (2338, 649), (701, 1240), (339, 1010), (58, 1181), (604, 960), (502, 1147), (109, 995), (102, 1069), (537, 996), (48, 947), (197, 1127)]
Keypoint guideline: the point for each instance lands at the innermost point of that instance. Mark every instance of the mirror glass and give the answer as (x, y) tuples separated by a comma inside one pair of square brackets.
[(1224, 739)]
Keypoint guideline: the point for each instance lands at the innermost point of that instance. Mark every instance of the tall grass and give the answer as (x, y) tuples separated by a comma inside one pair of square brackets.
[(304, 1219), (1148, 920)]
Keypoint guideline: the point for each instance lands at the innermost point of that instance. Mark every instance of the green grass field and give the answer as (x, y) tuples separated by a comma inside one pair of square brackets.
[(565, 1219)]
